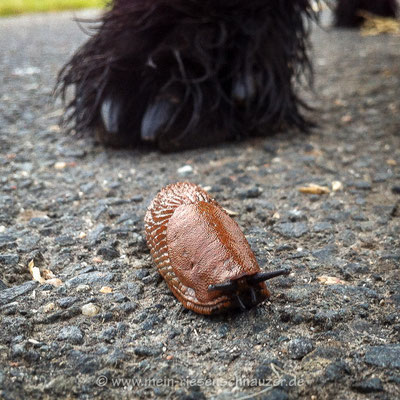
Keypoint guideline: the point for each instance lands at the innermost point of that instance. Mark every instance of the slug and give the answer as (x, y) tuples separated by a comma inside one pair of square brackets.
[(201, 252)]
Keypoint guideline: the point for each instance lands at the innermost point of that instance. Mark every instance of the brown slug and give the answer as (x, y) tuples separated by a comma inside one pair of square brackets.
[(201, 252)]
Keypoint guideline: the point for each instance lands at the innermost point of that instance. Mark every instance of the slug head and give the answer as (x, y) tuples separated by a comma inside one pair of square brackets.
[(247, 291)]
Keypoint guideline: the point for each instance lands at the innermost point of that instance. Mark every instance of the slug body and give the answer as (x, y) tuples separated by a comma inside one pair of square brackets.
[(201, 252)]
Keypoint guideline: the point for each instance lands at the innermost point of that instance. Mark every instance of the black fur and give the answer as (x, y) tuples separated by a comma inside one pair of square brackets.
[(347, 11), (187, 73)]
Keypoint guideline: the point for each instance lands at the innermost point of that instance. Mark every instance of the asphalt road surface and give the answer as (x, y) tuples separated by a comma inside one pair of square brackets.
[(108, 327)]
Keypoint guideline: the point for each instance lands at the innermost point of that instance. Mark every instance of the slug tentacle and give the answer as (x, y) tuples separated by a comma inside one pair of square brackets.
[(239, 302), (265, 276), (253, 296), (225, 286)]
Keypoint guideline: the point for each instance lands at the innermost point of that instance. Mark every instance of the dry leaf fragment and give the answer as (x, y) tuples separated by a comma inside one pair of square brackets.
[(35, 272), (36, 275), (314, 189), (330, 280), (374, 25), (47, 274), (56, 282)]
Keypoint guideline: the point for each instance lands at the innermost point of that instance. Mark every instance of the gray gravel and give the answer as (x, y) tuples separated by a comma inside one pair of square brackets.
[(77, 210)]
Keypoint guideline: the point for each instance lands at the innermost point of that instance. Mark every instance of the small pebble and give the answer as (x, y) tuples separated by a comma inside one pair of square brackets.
[(90, 310), (336, 186), (292, 229), (363, 185), (66, 302), (71, 334), (387, 356), (299, 347), (186, 170), (368, 386), (108, 253), (82, 288)]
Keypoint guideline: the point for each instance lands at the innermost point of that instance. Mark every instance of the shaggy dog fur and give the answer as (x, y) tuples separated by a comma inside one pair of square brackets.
[(188, 73), (347, 11)]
